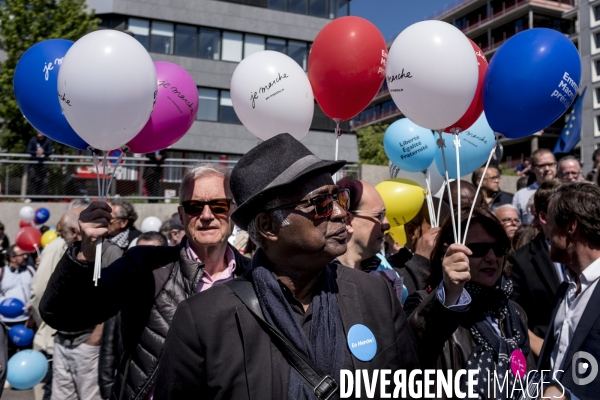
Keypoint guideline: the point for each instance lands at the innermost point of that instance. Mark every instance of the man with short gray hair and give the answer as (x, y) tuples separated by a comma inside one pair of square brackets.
[(569, 170), (147, 283), (509, 217)]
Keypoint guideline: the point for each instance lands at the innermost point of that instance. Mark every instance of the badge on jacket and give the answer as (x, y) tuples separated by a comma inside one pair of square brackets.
[(362, 343)]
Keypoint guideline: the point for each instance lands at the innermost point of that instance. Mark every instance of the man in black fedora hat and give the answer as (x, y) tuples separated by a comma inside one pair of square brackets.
[(288, 327)]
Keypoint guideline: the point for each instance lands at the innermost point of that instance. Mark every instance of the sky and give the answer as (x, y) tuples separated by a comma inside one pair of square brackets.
[(392, 16)]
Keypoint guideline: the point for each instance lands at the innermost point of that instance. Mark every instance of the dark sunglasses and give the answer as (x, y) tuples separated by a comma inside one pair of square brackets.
[(196, 207), (482, 249), (323, 203)]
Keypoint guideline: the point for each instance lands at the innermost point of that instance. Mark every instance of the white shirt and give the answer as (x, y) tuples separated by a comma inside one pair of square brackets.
[(16, 284), (520, 200), (571, 309)]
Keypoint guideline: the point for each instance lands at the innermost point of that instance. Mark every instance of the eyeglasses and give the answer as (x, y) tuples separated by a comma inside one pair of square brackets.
[(380, 215), (571, 173), (20, 255), (494, 178), (480, 250), (508, 221), (323, 203), (542, 166), (196, 207)]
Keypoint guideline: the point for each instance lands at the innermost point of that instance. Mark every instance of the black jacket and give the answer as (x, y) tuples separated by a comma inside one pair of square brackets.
[(413, 268), (586, 338), (111, 352), (535, 282), (221, 352), (32, 147), (501, 198), (145, 285)]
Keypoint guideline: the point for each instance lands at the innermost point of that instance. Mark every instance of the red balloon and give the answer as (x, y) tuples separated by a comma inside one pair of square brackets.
[(23, 224), (476, 108), (28, 238), (346, 66)]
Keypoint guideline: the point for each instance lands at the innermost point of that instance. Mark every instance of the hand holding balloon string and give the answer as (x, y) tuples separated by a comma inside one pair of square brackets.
[(456, 272)]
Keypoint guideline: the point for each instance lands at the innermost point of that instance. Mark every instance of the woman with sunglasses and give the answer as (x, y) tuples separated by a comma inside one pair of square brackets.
[(465, 320)]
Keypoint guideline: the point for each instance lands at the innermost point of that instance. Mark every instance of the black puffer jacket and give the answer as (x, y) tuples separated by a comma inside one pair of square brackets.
[(146, 285)]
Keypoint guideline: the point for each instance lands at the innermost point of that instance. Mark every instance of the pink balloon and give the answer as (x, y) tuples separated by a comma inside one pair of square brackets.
[(174, 111)]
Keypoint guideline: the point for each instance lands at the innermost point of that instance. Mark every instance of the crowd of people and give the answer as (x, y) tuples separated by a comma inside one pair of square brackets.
[(257, 286)]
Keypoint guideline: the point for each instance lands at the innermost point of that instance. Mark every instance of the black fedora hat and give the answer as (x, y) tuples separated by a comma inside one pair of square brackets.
[(272, 165)]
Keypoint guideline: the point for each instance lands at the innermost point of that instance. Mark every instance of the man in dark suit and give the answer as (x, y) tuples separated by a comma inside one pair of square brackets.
[(535, 278), (571, 346), (296, 215)]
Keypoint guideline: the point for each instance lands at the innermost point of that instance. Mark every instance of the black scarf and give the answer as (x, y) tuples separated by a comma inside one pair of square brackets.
[(492, 352), (325, 346)]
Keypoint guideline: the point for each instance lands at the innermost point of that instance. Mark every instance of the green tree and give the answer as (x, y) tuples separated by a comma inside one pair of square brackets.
[(370, 144), (24, 23)]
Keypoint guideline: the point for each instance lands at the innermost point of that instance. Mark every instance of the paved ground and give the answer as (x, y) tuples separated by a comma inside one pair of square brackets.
[(11, 394)]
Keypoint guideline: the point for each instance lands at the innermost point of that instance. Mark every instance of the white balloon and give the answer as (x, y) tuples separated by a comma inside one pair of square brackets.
[(107, 88), (418, 177), (271, 94), (27, 214), (432, 73), (436, 180), (151, 224)]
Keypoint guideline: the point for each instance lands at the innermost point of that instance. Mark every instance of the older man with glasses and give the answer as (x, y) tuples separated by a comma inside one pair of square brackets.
[(544, 168), (490, 186), (509, 217), (289, 326), (569, 170), (147, 283)]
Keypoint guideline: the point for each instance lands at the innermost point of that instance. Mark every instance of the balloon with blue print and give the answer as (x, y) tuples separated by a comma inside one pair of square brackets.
[(409, 146), (530, 82), (35, 83), (475, 146)]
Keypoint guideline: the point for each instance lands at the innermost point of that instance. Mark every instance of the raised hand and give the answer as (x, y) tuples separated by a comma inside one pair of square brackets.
[(93, 225)]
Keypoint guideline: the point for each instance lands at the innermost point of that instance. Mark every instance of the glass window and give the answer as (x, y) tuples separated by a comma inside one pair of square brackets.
[(597, 39), (298, 52), (318, 8), (208, 100), (161, 37), (597, 13), (276, 45), (253, 43), (597, 65), (210, 44), (226, 112), (298, 6), (277, 4), (232, 46), (140, 28), (338, 8), (186, 39)]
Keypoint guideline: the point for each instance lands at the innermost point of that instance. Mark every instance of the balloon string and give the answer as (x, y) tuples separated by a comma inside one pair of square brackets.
[(104, 177), (112, 175), (487, 164), (459, 211), (432, 218), (37, 250), (441, 144), (97, 166), (444, 184)]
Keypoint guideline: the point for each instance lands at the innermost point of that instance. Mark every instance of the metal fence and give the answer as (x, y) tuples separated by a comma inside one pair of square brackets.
[(64, 177)]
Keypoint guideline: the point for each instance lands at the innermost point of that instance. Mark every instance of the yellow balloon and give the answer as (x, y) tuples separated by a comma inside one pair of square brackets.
[(397, 233), (48, 237), (403, 199)]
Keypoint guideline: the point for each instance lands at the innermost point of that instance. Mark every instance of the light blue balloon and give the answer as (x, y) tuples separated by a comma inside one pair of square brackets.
[(475, 146), (26, 369), (409, 146)]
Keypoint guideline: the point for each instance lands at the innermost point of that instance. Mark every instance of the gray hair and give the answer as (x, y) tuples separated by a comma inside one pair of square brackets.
[(280, 215), (568, 158), (77, 203), (506, 206), (125, 210), (71, 218), (198, 172)]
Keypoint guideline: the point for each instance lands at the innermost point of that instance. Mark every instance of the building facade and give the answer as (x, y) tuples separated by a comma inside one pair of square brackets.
[(489, 23), (209, 38)]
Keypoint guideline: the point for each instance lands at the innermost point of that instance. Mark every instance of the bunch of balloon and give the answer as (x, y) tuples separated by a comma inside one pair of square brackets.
[(398, 234), (27, 214), (26, 369), (11, 307), (346, 68), (174, 111), (20, 335), (41, 215), (48, 237), (151, 224), (107, 87), (271, 95), (403, 199)]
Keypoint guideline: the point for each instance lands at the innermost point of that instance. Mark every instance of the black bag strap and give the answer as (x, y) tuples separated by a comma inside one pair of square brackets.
[(324, 387)]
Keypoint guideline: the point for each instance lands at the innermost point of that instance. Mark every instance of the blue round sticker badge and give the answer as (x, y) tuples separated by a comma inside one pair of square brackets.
[(362, 343)]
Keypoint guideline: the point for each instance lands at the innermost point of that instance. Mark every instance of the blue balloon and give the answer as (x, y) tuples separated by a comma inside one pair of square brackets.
[(530, 82), (20, 335), (26, 369), (11, 307), (35, 84), (409, 146), (475, 146), (41, 215)]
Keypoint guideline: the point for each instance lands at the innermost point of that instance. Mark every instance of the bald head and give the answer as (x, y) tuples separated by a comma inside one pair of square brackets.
[(69, 225)]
